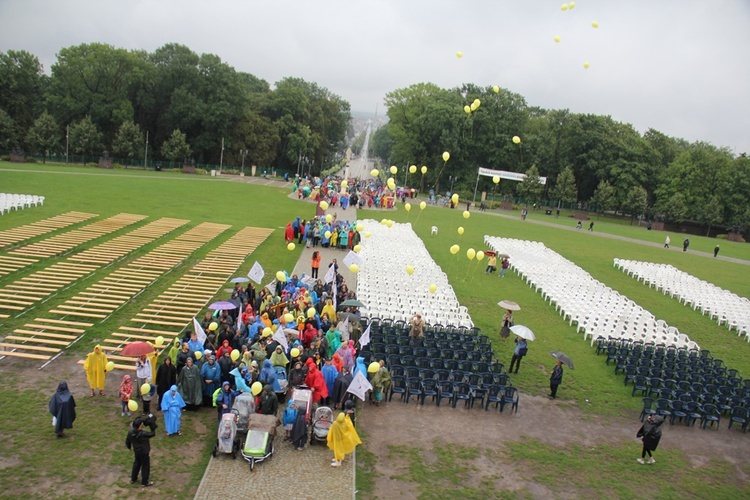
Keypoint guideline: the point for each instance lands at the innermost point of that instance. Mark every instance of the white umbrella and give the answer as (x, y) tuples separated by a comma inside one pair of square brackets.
[(523, 331), (239, 280), (509, 304)]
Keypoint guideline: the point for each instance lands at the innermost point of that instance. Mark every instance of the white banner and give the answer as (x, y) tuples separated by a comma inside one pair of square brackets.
[(352, 258), (359, 386), (505, 174), (199, 331), (280, 337), (256, 273)]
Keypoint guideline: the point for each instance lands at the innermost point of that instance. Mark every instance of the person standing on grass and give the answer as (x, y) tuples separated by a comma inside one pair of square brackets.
[(62, 406), (96, 370), (555, 379), (504, 265), (138, 440), (685, 244), (172, 405), (650, 432), (518, 353), (506, 324), (666, 242), (716, 251), (491, 265)]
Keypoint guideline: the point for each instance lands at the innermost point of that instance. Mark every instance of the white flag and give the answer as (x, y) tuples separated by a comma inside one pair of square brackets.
[(280, 337), (365, 338), (256, 273), (330, 274), (333, 294), (199, 330), (352, 258), (359, 386)]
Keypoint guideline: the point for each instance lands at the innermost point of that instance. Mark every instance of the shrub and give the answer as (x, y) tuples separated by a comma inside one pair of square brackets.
[(29, 159), (721, 236), (199, 171)]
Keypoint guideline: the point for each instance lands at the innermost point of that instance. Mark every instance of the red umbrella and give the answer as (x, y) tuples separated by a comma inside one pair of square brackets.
[(135, 349)]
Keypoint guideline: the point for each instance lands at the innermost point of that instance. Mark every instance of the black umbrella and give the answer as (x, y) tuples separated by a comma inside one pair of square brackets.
[(352, 303), (561, 356)]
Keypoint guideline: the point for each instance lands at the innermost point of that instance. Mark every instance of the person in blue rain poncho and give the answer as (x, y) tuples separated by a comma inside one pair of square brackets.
[(330, 373), (225, 399), (211, 373), (268, 376), (360, 367), (240, 382), (172, 405)]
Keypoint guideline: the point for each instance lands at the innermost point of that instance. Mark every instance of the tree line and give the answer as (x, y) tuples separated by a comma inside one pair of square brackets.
[(591, 160), (110, 98)]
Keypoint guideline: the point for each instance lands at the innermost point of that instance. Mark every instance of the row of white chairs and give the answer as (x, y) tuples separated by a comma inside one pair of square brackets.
[(13, 201), (596, 309), (388, 291), (725, 307)]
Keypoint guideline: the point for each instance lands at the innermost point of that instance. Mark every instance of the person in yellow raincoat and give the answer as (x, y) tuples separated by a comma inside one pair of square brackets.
[(329, 310), (96, 369), (342, 438)]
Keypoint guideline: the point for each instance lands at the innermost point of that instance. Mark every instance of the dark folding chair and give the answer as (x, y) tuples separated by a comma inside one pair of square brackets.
[(678, 411), (413, 388), (420, 352), (511, 397), (412, 371), (397, 370), (427, 374), (429, 390), (445, 391), (497, 368), (640, 383), (663, 407), (423, 363), (461, 391), (739, 415), (647, 410), (494, 396), (694, 413), (710, 414), (443, 375), (398, 386)]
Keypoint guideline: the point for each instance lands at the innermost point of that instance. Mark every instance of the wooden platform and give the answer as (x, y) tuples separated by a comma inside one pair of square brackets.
[(22, 233)]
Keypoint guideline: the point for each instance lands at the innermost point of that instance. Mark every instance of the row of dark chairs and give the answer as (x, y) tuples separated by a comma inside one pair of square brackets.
[(471, 344), (453, 391), (474, 379), (658, 384), (691, 412), (631, 369), (651, 350), (431, 352), (435, 363), (377, 324)]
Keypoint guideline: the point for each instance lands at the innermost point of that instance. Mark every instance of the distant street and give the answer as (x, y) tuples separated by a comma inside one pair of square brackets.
[(362, 165)]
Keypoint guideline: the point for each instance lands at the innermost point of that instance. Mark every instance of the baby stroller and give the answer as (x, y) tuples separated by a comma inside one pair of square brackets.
[(243, 406), (321, 424), (226, 439), (302, 397), (259, 442)]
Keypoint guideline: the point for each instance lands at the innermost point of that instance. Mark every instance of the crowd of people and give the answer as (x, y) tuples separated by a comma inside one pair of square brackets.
[(369, 193)]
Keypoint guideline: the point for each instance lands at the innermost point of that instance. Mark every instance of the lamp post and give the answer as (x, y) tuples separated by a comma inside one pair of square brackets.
[(243, 153)]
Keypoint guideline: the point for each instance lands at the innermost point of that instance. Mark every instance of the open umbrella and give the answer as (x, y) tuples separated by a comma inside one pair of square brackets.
[(223, 305), (503, 256), (241, 279), (561, 356), (135, 349), (523, 331), (352, 303), (509, 304)]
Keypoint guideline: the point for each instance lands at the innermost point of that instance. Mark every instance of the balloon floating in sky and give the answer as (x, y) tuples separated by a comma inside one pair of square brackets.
[(391, 184), (374, 172), (357, 248), (344, 183), (467, 109), (433, 288), (496, 89), (586, 65), (291, 246), (310, 314), (446, 156), (594, 24), (289, 317), (496, 179), (324, 205), (466, 214), (572, 5), (360, 226), (389, 223), (454, 198), (516, 139), (455, 249), (564, 7), (422, 205), (281, 276), (407, 206), (480, 256), (368, 234), (354, 268), (424, 169), (409, 270), (413, 169), (394, 169), (471, 253), (459, 54), (557, 38), (461, 230), (329, 218)]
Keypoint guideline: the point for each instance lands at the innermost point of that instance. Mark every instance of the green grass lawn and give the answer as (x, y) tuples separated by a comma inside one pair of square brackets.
[(592, 386)]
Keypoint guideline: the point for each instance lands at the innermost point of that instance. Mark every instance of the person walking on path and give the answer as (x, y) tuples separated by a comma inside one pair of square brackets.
[(62, 406), (591, 226), (342, 439), (650, 432), (491, 265), (138, 440), (96, 370), (685, 244), (315, 264), (666, 242), (518, 353), (555, 379), (716, 251)]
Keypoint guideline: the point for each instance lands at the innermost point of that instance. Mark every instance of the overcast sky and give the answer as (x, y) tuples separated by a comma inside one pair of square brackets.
[(679, 66)]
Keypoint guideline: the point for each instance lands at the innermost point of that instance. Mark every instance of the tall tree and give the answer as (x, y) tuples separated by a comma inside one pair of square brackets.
[(530, 188), (636, 202), (22, 86), (8, 138), (44, 135), (565, 189), (86, 138), (128, 142), (176, 147), (604, 197)]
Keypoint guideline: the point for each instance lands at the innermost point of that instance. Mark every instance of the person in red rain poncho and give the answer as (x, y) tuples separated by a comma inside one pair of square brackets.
[(308, 335), (315, 381), (289, 233)]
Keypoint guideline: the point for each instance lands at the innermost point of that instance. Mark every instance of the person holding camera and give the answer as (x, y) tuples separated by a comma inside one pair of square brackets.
[(138, 440), (518, 353), (417, 330)]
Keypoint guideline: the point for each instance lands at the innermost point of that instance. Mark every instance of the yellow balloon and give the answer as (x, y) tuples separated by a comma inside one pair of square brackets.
[(281, 276), (360, 226), (289, 317), (368, 234), (466, 214), (235, 355), (374, 172), (564, 7), (291, 246), (354, 268), (327, 234), (516, 139), (256, 388), (311, 312), (344, 183), (294, 353), (383, 222), (572, 5), (109, 366), (446, 156), (586, 65), (267, 332), (409, 270), (357, 248), (324, 205), (496, 179), (455, 249), (389, 223), (198, 355), (159, 341), (391, 184), (433, 288), (557, 39), (413, 169), (461, 230), (329, 218), (477, 102), (467, 109), (594, 24), (133, 405), (496, 89), (480, 256), (394, 169), (473, 107), (145, 389), (424, 169), (471, 253), (459, 54), (374, 367), (213, 326), (454, 199), (407, 207), (422, 205)]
